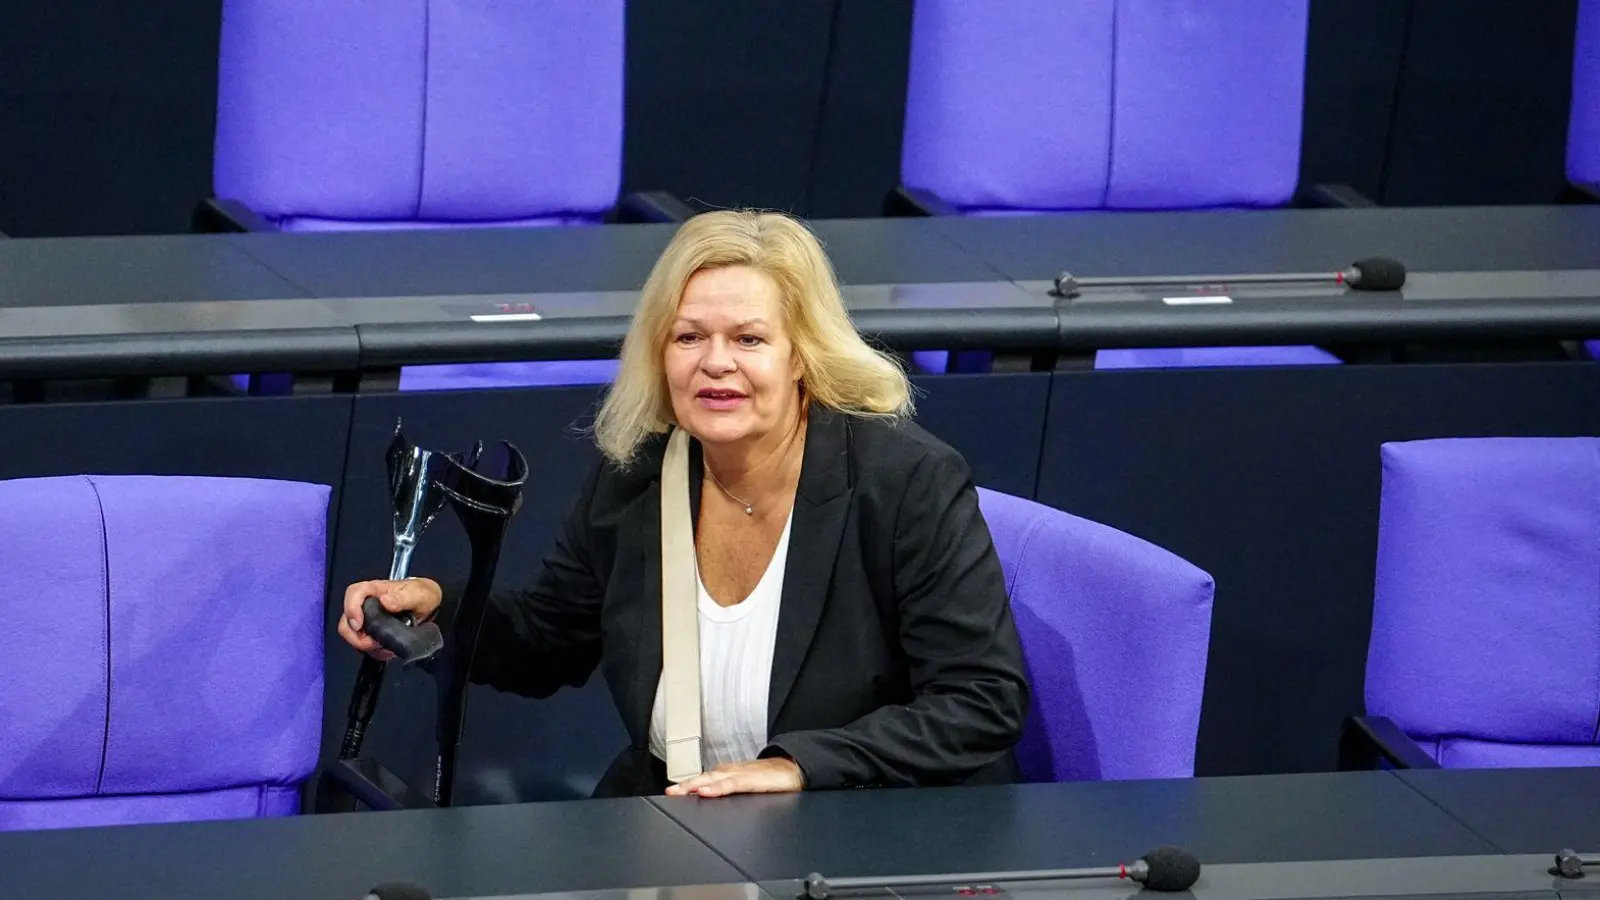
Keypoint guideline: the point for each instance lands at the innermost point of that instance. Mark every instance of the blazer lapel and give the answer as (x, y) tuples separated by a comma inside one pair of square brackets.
[(644, 520), (821, 504)]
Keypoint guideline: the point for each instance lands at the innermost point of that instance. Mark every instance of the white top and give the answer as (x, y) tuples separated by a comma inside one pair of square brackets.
[(735, 668)]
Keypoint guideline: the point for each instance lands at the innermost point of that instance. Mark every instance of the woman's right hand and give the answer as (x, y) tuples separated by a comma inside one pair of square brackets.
[(418, 596)]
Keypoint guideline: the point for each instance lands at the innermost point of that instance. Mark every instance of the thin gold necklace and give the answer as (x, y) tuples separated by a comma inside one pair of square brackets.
[(749, 510)]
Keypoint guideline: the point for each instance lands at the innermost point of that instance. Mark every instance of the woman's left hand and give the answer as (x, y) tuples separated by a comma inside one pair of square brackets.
[(761, 776)]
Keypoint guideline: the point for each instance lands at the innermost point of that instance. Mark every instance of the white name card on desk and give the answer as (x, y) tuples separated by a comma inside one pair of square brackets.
[(508, 317)]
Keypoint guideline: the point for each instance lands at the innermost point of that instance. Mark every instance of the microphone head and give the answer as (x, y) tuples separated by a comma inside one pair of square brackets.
[(1379, 273), (400, 890), (1171, 869)]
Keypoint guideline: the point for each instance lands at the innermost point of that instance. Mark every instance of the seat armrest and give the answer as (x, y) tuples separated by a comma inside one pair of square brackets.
[(348, 785), (911, 202), (1332, 196), (1364, 741), (217, 215), (652, 206)]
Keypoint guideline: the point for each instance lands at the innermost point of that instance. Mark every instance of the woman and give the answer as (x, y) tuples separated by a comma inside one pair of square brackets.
[(853, 624)]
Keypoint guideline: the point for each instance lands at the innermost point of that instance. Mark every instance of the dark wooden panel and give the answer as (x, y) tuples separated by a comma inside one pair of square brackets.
[(1483, 104)]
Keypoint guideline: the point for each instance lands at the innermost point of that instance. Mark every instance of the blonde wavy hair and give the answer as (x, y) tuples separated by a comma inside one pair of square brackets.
[(840, 370)]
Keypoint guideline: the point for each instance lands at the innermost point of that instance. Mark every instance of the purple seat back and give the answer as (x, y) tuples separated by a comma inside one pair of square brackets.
[(1583, 126), (1115, 631), (1105, 104), (1484, 647), (165, 656), (1208, 357), (375, 113)]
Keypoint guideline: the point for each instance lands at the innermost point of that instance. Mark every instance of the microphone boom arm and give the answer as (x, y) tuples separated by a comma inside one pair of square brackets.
[(820, 888)]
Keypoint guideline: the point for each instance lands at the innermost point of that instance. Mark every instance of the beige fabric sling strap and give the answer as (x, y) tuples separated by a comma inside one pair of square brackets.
[(680, 615)]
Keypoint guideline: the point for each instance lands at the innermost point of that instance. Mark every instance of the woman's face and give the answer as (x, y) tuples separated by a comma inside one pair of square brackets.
[(730, 366)]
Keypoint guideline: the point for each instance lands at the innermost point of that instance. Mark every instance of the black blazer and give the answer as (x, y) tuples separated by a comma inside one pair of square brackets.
[(897, 662)]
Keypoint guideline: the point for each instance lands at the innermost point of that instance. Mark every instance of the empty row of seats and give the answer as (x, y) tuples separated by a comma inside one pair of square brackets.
[(400, 115)]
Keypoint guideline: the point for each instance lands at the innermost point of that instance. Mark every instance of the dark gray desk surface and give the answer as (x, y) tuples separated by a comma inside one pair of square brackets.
[(611, 258), (155, 269), (103, 270), (467, 261), (909, 251), (1365, 833), (459, 852), (1435, 878), (1445, 239), (1427, 878), (1222, 820), (102, 306), (1520, 810)]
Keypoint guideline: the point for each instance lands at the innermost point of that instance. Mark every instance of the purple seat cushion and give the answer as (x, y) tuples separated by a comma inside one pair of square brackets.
[(1583, 126), (937, 361), (1486, 596), (980, 213), (475, 376), (315, 224), (1466, 753), (167, 640), (252, 802), (1105, 104), (933, 361), (432, 110), (1115, 631), (1201, 357)]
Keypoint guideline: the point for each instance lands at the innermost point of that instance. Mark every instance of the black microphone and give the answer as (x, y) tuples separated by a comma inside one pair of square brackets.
[(1570, 865), (1162, 869), (398, 890), (1376, 273)]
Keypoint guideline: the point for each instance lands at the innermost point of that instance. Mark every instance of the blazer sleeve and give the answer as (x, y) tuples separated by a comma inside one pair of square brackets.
[(536, 640), (960, 643)]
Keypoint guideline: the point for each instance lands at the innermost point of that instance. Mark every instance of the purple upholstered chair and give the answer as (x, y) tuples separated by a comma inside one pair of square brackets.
[(1042, 106), (164, 649), (405, 114), (1115, 631), (1484, 651), (373, 114), (471, 376)]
